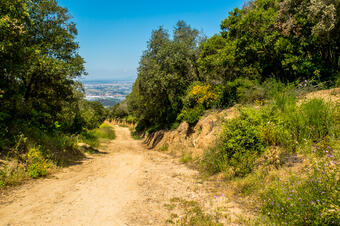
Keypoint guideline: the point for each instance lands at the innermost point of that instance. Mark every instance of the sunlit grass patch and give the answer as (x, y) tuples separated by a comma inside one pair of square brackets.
[(164, 147), (313, 200), (95, 136)]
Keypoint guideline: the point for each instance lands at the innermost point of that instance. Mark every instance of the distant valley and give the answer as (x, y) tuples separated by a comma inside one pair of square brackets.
[(108, 93)]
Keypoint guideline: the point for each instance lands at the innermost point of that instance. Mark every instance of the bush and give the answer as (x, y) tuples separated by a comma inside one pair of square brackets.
[(37, 164), (200, 94), (191, 115), (312, 121), (239, 144), (131, 119), (12, 172), (199, 97), (310, 201), (337, 80), (241, 90), (92, 137)]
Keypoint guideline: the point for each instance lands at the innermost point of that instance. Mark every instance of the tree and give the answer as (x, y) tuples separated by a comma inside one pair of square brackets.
[(39, 63), (165, 71), (285, 39)]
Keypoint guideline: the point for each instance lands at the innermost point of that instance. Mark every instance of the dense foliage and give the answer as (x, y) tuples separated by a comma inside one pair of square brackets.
[(267, 39), (166, 70), (41, 102)]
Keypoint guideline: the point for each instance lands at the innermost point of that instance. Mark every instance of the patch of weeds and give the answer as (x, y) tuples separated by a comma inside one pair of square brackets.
[(186, 157), (11, 173), (95, 136), (333, 92), (37, 164), (135, 135), (247, 186), (240, 143), (305, 201), (193, 214), (169, 206), (164, 147), (175, 125)]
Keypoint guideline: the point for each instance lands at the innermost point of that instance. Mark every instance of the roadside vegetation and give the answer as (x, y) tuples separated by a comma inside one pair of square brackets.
[(97, 136), (280, 156), (43, 113), (282, 151), (284, 156)]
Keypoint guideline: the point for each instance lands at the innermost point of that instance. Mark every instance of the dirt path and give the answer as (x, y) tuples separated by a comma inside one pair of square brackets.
[(128, 185)]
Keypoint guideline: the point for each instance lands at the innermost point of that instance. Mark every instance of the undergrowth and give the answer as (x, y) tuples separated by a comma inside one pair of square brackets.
[(135, 135), (313, 200), (283, 123), (193, 214), (34, 155), (96, 136), (279, 135)]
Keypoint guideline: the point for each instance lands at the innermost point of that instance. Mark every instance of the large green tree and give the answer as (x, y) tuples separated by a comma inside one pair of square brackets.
[(285, 39), (166, 69), (39, 63)]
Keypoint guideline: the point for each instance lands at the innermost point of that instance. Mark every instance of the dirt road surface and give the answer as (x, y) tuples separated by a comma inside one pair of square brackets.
[(126, 185)]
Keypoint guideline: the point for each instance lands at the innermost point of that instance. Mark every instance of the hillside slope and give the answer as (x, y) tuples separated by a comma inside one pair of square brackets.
[(191, 139), (203, 135)]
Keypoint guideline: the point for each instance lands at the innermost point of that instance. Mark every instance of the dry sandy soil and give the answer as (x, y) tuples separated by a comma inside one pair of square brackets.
[(127, 184)]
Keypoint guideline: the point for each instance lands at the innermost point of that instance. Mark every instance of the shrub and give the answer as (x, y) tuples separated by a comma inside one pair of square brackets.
[(337, 81), (310, 201), (239, 144), (191, 115), (37, 164), (12, 172), (175, 125), (92, 137), (164, 147), (312, 121), (131, 119), (242, 90), (199, 97)]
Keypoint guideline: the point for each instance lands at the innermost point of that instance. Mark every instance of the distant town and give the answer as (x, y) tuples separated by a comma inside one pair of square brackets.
[(108, 93)]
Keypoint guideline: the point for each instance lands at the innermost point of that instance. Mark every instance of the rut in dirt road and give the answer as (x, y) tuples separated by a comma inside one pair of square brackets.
[(129, 185)]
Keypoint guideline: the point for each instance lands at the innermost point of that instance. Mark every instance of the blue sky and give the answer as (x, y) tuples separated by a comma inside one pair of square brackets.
[(113, 34)]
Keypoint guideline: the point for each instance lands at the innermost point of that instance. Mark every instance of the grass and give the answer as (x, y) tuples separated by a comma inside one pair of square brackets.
[(29, 160), (192, 214), (164, 147), (313, 200), (12, 173), (186, 157), (96, 136), (254, 148), (135, 135)]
